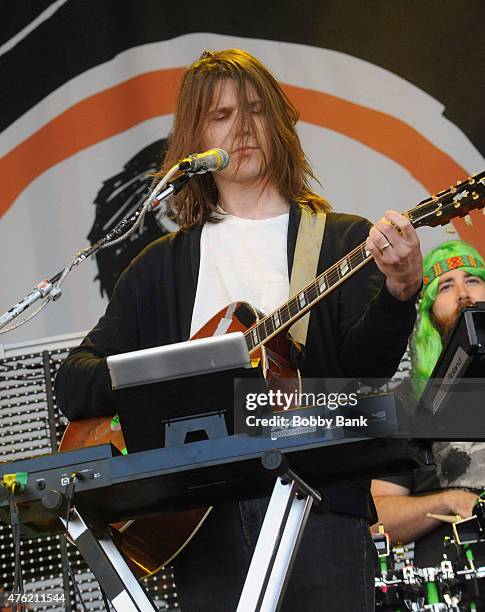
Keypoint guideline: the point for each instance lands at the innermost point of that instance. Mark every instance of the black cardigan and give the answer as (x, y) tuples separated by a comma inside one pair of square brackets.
[(358, 330)]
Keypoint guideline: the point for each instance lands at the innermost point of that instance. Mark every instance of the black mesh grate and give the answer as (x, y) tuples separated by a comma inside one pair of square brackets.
[(30, 429)]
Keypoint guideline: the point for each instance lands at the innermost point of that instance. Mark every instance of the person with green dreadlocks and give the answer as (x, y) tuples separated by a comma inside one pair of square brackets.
[(454, 277)]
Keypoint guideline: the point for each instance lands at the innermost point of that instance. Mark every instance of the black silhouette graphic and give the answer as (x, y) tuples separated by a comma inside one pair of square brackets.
[(118, 198)]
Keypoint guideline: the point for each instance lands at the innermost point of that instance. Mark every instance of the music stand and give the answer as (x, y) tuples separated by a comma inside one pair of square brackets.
[(180, 392)]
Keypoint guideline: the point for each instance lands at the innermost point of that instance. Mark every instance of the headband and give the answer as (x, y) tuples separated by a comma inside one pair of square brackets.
[(451, 263)]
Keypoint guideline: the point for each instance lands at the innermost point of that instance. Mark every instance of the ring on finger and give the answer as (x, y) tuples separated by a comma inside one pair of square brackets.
[(384, 246)]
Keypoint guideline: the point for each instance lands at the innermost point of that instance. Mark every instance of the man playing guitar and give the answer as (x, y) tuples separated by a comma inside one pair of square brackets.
[(237, 242)]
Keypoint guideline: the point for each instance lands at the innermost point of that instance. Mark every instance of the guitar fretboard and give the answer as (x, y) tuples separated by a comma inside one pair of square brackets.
[(299, 304)]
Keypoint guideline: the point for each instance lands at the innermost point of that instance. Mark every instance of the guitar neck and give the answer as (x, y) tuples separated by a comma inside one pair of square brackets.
[(439, 209), (298, 305)]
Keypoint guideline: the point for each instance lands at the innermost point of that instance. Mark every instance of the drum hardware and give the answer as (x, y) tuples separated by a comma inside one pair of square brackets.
[(446, 587)]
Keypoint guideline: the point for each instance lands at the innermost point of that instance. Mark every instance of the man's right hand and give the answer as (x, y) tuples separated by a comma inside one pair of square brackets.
[(461, 502)]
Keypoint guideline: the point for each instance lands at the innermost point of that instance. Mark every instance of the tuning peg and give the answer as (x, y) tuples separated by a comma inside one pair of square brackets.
[(468, 220), (450, 228)]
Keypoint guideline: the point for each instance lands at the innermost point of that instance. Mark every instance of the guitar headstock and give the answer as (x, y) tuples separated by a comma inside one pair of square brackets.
[(457, 201)]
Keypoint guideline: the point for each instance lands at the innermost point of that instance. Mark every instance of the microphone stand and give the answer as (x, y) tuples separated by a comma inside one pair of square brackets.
[(50, 289)]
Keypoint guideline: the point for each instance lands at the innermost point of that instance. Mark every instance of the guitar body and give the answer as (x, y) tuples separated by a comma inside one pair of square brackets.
[(151, 543)]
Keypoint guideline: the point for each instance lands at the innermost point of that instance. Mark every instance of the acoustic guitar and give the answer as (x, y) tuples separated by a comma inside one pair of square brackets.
[(152, 543)]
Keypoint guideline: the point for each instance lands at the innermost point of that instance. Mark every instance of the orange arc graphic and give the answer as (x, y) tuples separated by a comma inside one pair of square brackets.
[(153, 94), (86, 123)]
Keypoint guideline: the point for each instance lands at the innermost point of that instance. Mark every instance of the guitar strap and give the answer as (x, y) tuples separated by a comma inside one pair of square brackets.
[(307, 251)]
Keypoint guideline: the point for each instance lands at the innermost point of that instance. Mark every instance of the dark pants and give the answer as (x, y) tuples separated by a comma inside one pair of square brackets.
[(334, 569)]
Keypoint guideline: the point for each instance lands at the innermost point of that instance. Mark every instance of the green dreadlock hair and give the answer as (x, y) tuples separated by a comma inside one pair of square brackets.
[(426, 342)]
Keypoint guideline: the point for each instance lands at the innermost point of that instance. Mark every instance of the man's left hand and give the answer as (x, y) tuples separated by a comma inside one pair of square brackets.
[(394, 244)]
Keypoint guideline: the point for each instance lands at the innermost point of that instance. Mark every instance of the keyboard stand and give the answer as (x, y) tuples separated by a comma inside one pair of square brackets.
[(110, 569), (271, 565), (279, 539)]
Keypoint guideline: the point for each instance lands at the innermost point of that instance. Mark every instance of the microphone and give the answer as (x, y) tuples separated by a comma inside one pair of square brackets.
[(209, 161)]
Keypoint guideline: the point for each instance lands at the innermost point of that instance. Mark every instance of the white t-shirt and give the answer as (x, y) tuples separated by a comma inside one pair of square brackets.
[(241, 260)]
